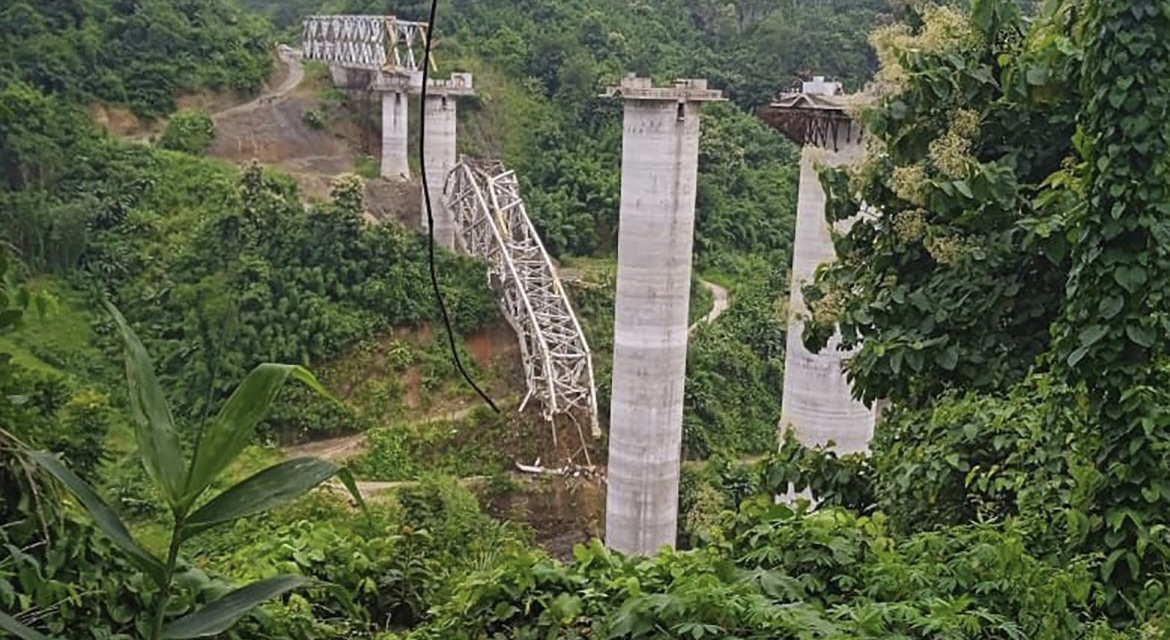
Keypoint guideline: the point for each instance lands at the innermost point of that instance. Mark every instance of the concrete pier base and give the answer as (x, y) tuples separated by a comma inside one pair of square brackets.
[(395, 130), (818, 404), (656, 232)]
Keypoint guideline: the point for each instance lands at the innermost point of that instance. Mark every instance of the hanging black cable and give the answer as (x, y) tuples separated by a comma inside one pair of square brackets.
[(422, 151)]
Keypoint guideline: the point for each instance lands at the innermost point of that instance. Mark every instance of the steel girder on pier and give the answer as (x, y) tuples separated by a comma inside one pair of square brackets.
[(373, 43), (493, 225)]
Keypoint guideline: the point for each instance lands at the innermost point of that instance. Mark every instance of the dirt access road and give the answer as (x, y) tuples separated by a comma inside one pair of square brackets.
[(721, 302), (290, 58), (273, 131)]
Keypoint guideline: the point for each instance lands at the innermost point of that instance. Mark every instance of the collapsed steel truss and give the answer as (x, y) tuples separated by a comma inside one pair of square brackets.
[(493, 224), (373, 43)]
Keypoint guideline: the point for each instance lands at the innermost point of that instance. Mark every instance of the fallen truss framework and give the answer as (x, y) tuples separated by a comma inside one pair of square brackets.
[(493, 224), (373, 43)]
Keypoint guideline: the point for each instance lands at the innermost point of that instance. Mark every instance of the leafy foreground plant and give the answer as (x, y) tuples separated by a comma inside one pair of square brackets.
[(184, 484)]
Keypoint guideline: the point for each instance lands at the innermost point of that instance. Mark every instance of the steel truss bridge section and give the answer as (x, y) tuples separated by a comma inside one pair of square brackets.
[(372, 43), (492, 224)]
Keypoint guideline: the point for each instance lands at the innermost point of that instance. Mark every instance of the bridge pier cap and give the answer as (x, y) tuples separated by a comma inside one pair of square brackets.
[(682, 90)]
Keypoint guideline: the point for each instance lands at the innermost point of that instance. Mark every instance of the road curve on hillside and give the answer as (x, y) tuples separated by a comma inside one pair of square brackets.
[(291, 58), (721, 302)]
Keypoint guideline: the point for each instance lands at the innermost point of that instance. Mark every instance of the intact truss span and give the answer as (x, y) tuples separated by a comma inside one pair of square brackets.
[(493, 225), (373, 43)]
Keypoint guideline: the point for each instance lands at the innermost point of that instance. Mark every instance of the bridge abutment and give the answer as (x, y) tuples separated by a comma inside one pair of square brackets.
[(660, 149)]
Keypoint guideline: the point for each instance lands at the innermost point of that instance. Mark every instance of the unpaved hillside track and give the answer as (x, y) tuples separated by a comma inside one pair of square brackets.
[(291, 58), (333, 450), (721, 302)]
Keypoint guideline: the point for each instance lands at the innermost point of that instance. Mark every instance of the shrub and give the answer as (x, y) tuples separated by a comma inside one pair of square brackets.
[(189, 132), (184, 485), (314, 119), (977, 457)]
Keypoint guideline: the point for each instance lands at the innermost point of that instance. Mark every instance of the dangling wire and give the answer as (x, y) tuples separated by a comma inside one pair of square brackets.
[(422, 151)]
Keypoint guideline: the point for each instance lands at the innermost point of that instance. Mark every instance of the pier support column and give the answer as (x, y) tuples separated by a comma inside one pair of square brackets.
[(660, 150), (439, 158), (818, 403), (395, 128)]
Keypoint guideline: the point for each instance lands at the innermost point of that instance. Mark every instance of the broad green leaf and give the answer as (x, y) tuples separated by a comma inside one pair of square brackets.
[(1131, 278), (154, 427), (1092, 334), (102, 515), (219, 616), (1110, 306), (233, 428), (347, 479), (9, 624), (1076, 356), (265, 490), (983, 15), (948, 358), (1036, 75), (1141, 336)]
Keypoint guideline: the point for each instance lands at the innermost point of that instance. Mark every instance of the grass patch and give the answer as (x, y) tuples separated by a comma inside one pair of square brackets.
[(366, 167), (483, 443), (62, 340), (702, 301)]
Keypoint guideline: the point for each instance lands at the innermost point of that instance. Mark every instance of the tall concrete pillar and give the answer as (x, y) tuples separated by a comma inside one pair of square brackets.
[(395, 129), (818, 403), (439, 158), (660, 149)]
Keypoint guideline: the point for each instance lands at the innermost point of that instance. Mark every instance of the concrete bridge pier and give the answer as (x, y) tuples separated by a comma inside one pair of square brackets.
[(395, 132), (818, 402), (440, 158), (660, 150), (440, 150)]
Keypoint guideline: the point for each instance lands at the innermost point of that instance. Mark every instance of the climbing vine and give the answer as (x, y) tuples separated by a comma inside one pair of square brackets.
[(953, 280), (1115, 324)]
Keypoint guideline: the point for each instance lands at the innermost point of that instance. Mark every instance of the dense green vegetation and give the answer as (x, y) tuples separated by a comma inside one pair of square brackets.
[(1005, 296), (1015, 268), (138, 54), (188, 131)]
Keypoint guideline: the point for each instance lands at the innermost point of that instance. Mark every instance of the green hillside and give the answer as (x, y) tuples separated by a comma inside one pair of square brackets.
[(139, 54), (1004, 298)]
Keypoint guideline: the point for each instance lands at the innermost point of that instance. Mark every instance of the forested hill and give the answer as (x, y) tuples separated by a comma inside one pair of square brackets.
[(540, 66), (135, 53), (748, 48)]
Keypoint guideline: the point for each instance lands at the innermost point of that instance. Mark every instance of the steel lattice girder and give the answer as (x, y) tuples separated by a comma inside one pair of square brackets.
[(375, 43), (493, 225)]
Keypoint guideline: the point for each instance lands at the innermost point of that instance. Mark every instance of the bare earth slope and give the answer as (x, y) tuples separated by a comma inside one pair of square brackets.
[(273, 131)]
